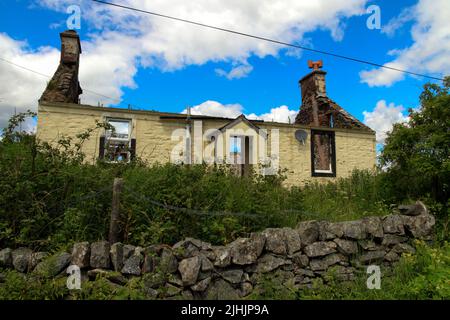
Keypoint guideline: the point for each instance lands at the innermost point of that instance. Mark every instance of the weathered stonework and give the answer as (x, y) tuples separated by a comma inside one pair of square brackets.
[(193, 269), (64, 85)]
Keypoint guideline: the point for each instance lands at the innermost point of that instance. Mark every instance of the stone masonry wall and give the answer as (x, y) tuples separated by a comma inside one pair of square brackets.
[(193, 269)]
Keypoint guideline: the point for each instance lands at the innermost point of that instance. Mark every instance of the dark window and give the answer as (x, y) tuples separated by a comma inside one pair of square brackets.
[(323, 154), (117, 145), (240, 154)]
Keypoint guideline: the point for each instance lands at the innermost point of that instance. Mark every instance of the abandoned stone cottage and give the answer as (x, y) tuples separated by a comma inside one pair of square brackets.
[(323, 143)]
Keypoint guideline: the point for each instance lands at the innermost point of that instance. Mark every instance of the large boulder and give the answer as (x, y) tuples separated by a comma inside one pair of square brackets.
[(221, 290), (189, 269), (270, 262), (168, 262), (373, 226), (36, 258), (233, 275), (151, 263), (354, 229), (116, 255), (81, 253), (330, 230), (413, 209), (308, 232), (202, 285), (6, 258), (188, 247), (282, 241), (369, 245), (300, 260), (171, 290), (153, 280), (391, 239), (175, 279), (420, 226), (372, 256), (393, 224), (201, 245), (275, 240), (320, 248), (21, 259), (128, 250), (327, 261), (223, 256), (100, 255), (401, 248), (391, 256), (346, 246), (206, 264), (132, 266), (246, 289), (54, 265), (292, 240), (247, 250)]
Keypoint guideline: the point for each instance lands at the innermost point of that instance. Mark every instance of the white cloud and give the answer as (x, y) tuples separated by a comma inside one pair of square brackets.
[(280, 114), (237, 72), (20, 89), (123, 41), (107, 65), (396, 23), (216, 109), (171, 45), (383, 117), (430, 49)]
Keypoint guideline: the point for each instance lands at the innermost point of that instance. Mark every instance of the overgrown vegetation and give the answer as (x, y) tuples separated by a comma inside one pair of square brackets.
[(50, 197), (423, 275)]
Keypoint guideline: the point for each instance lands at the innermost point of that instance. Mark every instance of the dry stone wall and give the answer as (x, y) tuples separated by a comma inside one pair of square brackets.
[(193, 269)]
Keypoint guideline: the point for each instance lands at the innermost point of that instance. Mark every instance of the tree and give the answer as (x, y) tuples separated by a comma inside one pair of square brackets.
[(417, 153)]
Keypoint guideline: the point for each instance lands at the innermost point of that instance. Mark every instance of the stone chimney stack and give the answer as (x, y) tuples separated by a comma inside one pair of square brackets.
[(313, 84), (64, 85), (312, 87), (70, 47)]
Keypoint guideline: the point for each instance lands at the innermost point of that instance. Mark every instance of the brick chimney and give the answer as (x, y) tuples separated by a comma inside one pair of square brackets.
[(312, 87), (64, 85)]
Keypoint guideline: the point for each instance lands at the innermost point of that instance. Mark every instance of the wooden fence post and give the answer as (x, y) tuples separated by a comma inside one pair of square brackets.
[(114, 227)]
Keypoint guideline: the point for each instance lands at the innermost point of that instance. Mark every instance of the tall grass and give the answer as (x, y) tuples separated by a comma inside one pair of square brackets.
[(349, 198), (423, 275)]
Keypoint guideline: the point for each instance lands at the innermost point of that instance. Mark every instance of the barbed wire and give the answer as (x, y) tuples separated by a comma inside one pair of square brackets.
[(140, 197), (71, 202), (187, 210)]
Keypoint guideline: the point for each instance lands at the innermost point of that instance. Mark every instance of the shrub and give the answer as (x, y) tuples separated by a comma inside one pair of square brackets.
[(423, 275)]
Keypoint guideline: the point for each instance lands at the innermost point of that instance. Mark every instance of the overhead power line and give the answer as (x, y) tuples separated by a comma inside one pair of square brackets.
[(48, 76), (268, 40)]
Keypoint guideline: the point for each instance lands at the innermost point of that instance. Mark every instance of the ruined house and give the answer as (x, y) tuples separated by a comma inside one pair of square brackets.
[(323, 143)]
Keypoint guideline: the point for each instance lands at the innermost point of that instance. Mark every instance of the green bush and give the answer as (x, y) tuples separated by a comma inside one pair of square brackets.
[(346, 198), (17, 286), (423, 275)]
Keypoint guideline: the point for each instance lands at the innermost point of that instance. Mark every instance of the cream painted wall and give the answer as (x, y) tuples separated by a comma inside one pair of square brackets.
[(155, 138)]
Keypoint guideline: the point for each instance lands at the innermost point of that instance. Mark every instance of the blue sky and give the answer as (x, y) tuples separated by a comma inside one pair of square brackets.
[(165, 65)]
